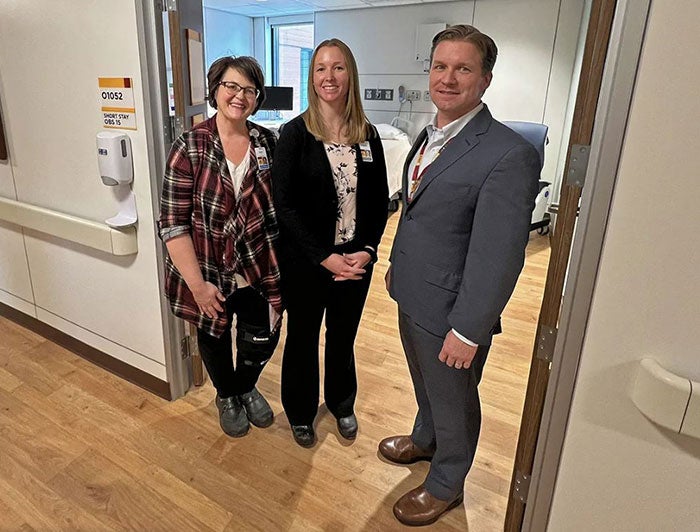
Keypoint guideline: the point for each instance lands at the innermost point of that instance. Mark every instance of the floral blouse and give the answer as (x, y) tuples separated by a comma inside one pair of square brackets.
[(344, 166)]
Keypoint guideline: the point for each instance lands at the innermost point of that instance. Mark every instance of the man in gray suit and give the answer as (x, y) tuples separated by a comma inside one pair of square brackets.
[(469, 190)]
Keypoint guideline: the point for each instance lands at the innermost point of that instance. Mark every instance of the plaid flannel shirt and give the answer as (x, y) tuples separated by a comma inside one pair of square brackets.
[(231, 233)]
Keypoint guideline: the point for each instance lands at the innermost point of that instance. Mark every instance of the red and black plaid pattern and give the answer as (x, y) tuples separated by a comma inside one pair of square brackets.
[(231, 233)]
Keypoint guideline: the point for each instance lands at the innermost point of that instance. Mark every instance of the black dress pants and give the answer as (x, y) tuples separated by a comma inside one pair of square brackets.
[(255, 344), (307, 295)]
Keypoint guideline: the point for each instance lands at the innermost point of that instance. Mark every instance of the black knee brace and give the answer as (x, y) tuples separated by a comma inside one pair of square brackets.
[(255, 345)]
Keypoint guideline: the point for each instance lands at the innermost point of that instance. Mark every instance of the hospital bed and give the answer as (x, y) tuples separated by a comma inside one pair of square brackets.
[(396, 144)]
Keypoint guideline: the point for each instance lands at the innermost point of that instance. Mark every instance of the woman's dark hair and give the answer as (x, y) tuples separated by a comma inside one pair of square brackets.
[(246, 65)]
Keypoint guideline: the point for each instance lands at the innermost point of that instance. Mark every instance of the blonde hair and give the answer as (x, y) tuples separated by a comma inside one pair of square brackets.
[(357, 126)]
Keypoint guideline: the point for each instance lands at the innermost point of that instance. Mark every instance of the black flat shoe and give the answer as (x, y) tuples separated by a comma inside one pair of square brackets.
[(347, 426), (257, 408), (304, 435), (232, 417)]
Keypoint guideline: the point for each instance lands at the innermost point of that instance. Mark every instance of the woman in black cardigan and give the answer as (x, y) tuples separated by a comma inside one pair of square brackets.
[(331, 195)]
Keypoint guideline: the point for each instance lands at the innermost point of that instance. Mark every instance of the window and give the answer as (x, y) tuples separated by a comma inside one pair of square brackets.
[(292, 47)]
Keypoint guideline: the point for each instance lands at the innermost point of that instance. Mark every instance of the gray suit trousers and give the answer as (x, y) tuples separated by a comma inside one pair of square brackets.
[(449, 411)]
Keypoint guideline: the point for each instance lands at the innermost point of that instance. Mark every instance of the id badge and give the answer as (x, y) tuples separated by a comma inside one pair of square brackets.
[(366, 152), (261, 156)]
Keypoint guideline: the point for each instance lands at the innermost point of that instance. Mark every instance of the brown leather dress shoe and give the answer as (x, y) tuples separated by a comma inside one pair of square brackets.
[(418, 507), (402, 450)]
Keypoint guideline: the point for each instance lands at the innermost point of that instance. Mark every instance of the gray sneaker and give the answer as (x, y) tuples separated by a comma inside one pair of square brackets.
[(232, 417), (257, 408)]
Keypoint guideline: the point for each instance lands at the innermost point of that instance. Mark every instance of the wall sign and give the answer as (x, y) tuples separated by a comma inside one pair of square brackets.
[(379, 94), (117, 100)]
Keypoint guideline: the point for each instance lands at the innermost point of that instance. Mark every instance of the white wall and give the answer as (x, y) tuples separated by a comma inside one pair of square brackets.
[(51, 109), (537, 68), (15, 284), (537, 41), (560, 126), (383, 43), (226, 34), (619, 471)]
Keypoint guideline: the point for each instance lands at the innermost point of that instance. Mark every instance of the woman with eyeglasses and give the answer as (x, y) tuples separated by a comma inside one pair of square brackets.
[(331, 195), (220, 228)]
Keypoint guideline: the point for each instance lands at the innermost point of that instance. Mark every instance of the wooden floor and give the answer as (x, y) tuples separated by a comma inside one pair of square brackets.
[(83, 450)]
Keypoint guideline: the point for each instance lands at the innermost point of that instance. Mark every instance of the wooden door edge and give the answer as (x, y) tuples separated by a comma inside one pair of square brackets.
[(596, 44)]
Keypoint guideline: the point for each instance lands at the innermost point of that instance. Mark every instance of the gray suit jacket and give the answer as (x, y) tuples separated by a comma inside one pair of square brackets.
[(460, 244)]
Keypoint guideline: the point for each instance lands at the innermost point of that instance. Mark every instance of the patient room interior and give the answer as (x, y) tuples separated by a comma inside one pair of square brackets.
[(104, 422)]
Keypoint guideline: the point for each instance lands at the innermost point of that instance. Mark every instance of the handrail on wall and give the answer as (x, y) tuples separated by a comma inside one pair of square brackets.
[(85, 232)]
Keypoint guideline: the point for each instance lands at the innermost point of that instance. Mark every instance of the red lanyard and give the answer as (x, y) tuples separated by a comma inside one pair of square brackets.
[(416, 178)]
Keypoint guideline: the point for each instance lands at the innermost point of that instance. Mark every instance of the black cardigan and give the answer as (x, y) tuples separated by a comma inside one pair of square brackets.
[(306, 200)]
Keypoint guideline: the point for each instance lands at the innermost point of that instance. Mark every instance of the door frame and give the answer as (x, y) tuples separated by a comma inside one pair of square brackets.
[(149, 19), (614, 103)]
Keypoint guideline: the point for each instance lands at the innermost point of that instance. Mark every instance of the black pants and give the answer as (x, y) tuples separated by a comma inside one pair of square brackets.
[(307, 295), (254, 344)]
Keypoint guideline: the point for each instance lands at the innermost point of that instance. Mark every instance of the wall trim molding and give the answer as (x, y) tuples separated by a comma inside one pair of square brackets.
[(115, 366)]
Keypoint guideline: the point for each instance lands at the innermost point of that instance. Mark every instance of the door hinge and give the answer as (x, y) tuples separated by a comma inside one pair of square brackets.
[(188, 347), (168, 133), (177, 126), (546, 338), (578, 162), (165, 5), (521, 487)]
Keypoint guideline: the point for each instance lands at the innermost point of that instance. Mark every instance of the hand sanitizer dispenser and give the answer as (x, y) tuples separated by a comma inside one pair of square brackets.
[(117, 170)]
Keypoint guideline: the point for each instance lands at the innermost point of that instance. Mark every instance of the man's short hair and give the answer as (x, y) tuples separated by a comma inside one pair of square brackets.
[(464, 32)]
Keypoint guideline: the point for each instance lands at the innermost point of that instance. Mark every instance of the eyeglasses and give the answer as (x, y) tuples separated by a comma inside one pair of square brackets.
[(233, 88)]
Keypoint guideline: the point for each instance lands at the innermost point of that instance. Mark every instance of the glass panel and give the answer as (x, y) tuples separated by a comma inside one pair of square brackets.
[(292, 48)]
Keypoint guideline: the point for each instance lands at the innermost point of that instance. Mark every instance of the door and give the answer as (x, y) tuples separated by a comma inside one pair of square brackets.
[(596, 45), (187, 89), (185, 22), (617, 468), (171, 109)]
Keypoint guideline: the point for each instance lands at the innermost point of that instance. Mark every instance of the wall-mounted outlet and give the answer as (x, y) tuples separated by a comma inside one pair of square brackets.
[(426, 96), (412, 96)]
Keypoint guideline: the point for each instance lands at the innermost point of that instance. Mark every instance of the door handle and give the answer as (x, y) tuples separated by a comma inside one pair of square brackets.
[(667, 399)]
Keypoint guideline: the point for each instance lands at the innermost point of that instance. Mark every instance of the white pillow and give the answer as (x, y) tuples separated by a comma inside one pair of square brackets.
[(387, 131)]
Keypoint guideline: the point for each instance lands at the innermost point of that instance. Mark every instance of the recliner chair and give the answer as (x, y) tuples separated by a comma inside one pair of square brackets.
[(536, 134)]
